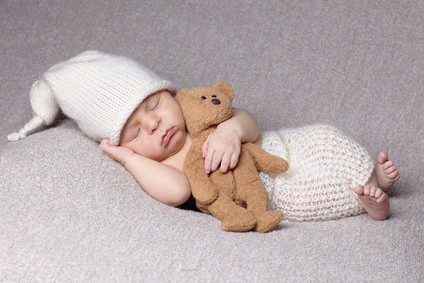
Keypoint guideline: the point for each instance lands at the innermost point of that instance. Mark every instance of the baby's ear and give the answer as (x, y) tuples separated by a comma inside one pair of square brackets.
[(225, 88)]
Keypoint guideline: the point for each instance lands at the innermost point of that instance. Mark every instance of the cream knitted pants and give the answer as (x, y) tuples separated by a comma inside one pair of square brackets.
[(324, 166)]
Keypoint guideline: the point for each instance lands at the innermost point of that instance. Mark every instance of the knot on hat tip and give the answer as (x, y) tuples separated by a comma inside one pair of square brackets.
[(31, 126), (17, 136)]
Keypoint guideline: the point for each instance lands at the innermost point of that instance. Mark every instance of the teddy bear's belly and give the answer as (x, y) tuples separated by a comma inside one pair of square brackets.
[(224, 182)]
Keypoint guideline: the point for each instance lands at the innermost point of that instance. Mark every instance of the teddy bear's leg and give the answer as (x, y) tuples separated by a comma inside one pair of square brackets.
[(266, 220), (251, 190), (257, 201), (203, 207), (233, 217)]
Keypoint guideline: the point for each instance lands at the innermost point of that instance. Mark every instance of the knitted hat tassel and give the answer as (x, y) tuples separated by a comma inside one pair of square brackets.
[(35, 123), (44, 106)]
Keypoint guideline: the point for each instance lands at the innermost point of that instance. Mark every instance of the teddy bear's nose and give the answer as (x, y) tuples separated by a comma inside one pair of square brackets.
[(216, 101)]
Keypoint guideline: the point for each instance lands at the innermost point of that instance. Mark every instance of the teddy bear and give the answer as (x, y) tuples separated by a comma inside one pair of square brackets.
[(237, 198)]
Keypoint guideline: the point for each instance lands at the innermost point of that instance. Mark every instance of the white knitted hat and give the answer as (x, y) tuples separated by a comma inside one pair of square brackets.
[(97, 90)]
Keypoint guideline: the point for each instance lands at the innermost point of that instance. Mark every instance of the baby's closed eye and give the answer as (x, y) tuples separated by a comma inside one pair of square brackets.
[(153, 102), (136, 133)]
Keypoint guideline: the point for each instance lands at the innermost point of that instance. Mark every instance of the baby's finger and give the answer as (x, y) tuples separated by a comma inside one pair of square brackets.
[(104, 142), (225, 163), (208, 162), (234, 160), (205, 147), (229, 162), (216, 161), (104, 145)]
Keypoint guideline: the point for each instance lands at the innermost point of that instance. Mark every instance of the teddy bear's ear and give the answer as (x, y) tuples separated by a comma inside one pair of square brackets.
[(181, 93), (226, 88)]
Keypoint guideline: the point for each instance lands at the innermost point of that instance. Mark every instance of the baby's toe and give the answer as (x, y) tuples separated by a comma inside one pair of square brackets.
[(382, 157), (388, 164)]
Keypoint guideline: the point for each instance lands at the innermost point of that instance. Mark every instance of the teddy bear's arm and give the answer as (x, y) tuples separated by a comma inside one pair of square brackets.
[(202, 188), (265, 161)]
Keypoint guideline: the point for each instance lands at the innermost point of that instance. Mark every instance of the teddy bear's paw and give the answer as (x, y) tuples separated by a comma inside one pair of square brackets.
[(205, 197), (277, 165), (267, 220), (283, 165), (239, 223)]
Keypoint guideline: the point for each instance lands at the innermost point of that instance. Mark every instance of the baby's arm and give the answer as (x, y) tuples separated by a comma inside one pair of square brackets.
[(222, 148), (162, 182)]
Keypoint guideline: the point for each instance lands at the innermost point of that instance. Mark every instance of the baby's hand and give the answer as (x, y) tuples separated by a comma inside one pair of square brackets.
[(118, 153), (221, 149)]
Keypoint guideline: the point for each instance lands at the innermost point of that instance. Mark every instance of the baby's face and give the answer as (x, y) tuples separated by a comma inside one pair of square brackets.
[(156, 129)]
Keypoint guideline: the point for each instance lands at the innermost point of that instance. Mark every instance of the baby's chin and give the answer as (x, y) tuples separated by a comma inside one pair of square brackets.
[(177, 147)]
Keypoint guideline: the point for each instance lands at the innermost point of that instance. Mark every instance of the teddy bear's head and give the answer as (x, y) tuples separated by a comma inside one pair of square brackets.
[(205, 107)]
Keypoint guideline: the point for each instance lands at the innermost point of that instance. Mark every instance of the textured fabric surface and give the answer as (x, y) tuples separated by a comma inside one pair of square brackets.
[(69, 213), (97, 90), (325, 166)]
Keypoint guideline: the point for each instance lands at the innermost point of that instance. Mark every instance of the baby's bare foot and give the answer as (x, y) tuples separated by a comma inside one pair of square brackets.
[(385, 171), (374, 200)]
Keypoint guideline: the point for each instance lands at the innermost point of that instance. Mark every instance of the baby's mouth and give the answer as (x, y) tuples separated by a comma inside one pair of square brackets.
[(168, 135)]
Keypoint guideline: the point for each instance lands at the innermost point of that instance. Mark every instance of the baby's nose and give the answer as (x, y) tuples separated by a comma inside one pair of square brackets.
[(151, 123)]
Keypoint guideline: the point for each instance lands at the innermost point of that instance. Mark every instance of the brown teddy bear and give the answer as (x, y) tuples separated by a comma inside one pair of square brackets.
[(237, 198)]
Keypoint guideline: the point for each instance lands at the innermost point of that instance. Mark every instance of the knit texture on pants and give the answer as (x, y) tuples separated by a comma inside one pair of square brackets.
[(324, 167)]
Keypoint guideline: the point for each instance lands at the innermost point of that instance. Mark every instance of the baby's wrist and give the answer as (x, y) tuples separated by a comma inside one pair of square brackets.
[(229, 128), (127, 158)]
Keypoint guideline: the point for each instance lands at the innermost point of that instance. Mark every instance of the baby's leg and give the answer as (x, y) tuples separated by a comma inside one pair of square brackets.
[(324, 166)]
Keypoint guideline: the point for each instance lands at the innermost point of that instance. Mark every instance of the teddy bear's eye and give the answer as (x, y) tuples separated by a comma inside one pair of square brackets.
[(214, 96), (203, 97)]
